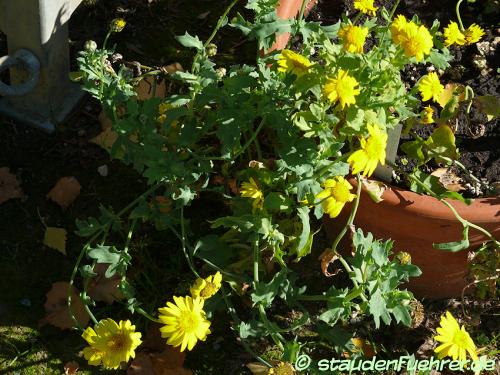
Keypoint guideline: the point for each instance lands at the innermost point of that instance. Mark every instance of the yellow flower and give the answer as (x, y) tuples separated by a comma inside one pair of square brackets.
[(291, 62), (206, 288), (453, 35), (353, 38), (398, 28), (416, 41), (335, 195), (473, 34), (342, 88), (371, 153), (427, 115), (117, 25), (365, 6), (456, 341), (162, 110), (111, 343), (185, 322), (430, 87), (250, 189)]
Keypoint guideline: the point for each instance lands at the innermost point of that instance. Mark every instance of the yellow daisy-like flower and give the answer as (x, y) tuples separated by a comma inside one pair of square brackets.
[(117, 25), (251, 190), (365, 6), (292, 62), (353, 38), (185, 322), (398, 28), (111, 343), (335, 195), (206, 288), (343, 88), (456, 341), (371, 153), (416, 41), (473, 34), (430, 87), (453, 35), (427, 115)]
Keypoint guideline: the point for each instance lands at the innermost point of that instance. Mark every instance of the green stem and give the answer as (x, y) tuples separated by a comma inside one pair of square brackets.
[(183, 240), (302, 11), (147, 315), (393, 10), (457, 10)]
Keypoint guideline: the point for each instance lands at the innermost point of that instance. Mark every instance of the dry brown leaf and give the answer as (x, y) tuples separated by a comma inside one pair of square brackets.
[(106, 139), (71, 368), (105, 121), (66, 190), (55, 238), (327, 257), (172, 68), (448, 179), (375, 189), (169, 362), (257, 368), (56, 307), (103, 289), (9, 186), (163, 204), (148, 88)]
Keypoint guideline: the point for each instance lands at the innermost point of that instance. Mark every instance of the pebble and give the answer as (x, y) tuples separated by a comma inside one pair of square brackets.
[(103, 170), (483, 48)]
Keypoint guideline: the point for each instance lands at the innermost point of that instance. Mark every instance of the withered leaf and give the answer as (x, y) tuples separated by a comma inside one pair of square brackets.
[(148, 88), (327, 257), (9, 186), (65, 191), (55, 238), (71, 368), (448, 179), (375, 189), (168, 362), (103, 289), (56, 307)]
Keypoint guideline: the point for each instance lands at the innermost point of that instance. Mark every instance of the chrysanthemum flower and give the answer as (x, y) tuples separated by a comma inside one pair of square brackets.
[(427, 115), (292, 62), (430, 87), (398, 28), (343, 88), (353, 38), (206, 288), (335, 195), (456, 341), (117, 25), (453, 35), (185, 322), (371, 153), (111, 343), (473, 34), (416, 41), (251, 190), (365, 6)]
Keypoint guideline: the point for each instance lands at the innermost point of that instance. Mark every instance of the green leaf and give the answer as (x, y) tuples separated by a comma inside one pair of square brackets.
[(190, 41), (118, 260), (401, 314), (211, 248), (455, 246), (265, 292), (442, 143), (277, 202), (378, 309), (305, 237)]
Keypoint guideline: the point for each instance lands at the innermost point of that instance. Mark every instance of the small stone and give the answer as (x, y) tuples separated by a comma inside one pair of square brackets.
[(25, 302), (479, 62), (103, 170), (483, 47)]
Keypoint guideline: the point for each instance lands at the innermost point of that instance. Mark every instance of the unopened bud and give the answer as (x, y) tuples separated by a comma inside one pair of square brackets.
[(90, 45), (220, 72), (211, 50), (403, 257)]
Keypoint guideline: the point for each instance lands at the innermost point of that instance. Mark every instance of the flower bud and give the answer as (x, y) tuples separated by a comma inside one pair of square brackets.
[(90, 45), (220, 72), (403, 257), (211, 50)]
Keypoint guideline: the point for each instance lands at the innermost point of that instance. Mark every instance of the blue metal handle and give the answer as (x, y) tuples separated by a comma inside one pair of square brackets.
[(28, 62)]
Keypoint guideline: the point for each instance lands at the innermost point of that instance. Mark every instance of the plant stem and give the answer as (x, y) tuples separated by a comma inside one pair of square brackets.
[(147, 315), (302, 10), (393, 10), (183, 240), (457, 10)]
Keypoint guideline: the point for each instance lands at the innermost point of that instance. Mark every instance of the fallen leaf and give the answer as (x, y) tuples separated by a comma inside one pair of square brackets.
[(148, 88), (489, 105), (257, 368), (55, 238), (448, 179), (105, 121), (169, 362), (9, 186), (451, 89), (375, 189), (56, 307), (105, 139), (71, 368), (364, 346), (327, 257), (163, 204), (103, 289), (66, 190), (172, 68)]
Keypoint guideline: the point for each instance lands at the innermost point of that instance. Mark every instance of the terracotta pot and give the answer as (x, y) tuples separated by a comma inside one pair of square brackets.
[(415, 222), (289, 9)]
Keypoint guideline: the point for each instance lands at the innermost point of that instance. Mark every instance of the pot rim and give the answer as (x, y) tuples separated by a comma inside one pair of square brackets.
[(481, 210)]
